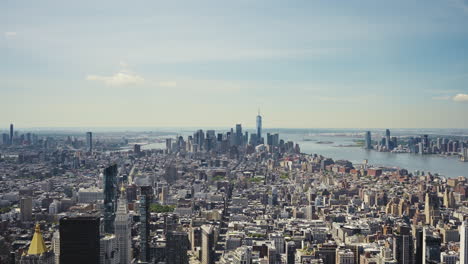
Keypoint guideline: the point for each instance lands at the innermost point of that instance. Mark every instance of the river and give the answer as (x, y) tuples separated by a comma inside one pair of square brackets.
[(447, 166)]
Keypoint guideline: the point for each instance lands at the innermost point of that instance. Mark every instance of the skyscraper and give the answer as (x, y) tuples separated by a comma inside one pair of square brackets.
[(26, 209), (238, 134), (403, 246), (123, 229), (368, 143), (463, 243), (5, 139), (37, 252), (145, 200), (431, 247), (259, 128), (109, 252), (431, 207), (110, 197), (387, 139), (208, 243), (79, 240), (11, 134), (89, 141), (290, 252), (177, 244), (419, 246)]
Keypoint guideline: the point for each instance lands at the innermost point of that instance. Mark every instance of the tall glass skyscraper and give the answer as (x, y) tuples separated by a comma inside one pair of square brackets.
[(238, 134), (387, 139), (368, 143), (110, 197), (259, 128)]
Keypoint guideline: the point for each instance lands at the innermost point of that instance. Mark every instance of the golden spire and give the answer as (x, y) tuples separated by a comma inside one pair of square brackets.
[(37, 246)]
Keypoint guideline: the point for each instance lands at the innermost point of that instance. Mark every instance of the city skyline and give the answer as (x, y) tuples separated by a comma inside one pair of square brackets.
[(234, 132), (313, 64)]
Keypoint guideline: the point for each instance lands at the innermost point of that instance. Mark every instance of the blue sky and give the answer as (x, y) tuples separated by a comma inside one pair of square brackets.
[(360, 64)]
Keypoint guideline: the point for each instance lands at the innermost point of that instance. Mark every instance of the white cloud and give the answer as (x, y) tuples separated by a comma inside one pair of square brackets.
[(461, 98), (168, 84), (10, 34), (122, 78)]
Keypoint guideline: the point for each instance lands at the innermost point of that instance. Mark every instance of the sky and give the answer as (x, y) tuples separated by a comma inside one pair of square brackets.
[(303, 64)]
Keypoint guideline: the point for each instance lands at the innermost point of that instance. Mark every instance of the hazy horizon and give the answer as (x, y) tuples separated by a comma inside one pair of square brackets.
[(190, 128)]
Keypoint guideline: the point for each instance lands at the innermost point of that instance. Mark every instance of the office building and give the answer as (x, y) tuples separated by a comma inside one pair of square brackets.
[(5, 139), (208, 244), (80, 240), (11, 134), (123, 229), (368, 141), (327, 253), (37, 252), (344, 256), (290, 252), (109, 252), (110, 197), (278, 240), (137, 149), (177, 244), (239, 135), (89, 141), (259, 129), (387, 139), (26, 209), (56, 246), (431, 247), (431, 207), (464, 243), (403, 245), (450, 257), (145, 200), (169, 145)]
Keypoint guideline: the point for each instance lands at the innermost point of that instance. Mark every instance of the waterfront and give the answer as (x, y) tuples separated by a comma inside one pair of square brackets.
[(446, 166), (312, 142)]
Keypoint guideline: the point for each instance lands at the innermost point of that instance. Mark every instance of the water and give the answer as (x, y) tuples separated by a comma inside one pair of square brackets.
[(447, 166)]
